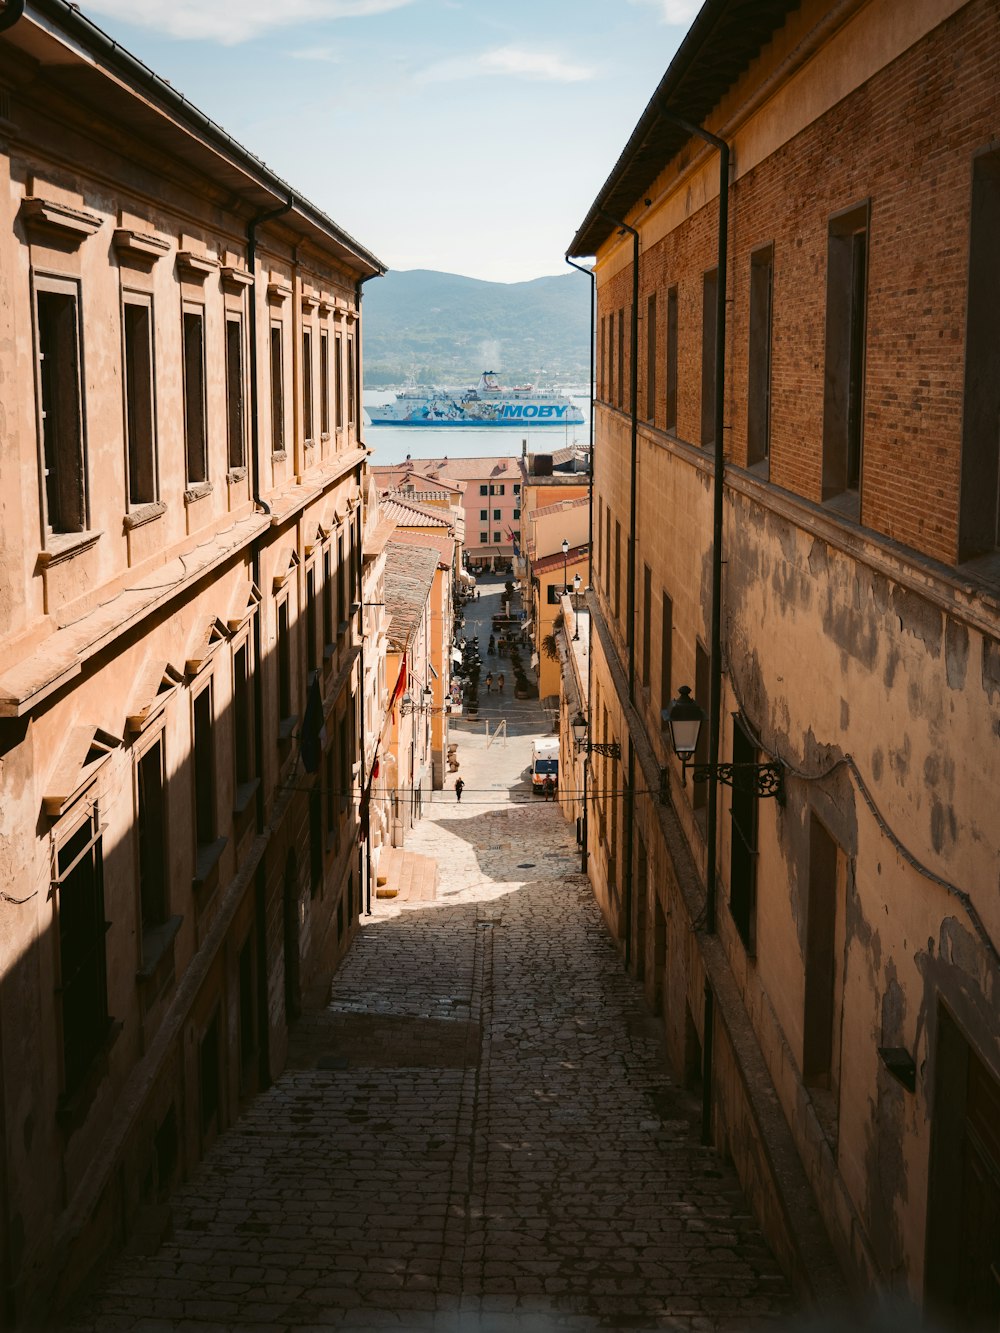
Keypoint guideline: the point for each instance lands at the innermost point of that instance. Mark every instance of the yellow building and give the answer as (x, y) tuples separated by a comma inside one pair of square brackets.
[(180, 553)]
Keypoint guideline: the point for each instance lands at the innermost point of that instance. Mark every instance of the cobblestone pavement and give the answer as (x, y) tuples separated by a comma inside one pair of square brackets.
[(478, 1133)]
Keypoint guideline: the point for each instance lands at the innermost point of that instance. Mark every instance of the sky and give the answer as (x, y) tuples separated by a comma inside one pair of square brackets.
[(457, 135)]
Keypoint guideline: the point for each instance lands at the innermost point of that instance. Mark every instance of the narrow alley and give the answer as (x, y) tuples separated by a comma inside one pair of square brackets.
[(478, 1131)]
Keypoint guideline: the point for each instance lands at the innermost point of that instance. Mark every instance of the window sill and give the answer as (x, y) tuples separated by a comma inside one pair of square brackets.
[(64, 545), (245, 793), (207, 860), (285, 728), (144, 513), (156, 942), (847, 504), (325, 436), (197, 492), (236, 474), (278, 455), (309, 444), (761, 469), (329, 651)]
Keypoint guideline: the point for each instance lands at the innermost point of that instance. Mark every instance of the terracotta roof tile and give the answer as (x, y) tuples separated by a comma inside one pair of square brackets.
[(409, 576)]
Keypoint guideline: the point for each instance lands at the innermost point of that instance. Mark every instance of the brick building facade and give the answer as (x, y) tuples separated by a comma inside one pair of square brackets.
[(854, 972), (180, 558)]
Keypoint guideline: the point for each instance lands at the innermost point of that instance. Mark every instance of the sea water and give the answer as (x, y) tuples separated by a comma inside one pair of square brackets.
[(392, 444)]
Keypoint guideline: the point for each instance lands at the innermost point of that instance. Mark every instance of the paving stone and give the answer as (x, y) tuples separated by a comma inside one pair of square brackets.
[(478, 1132)]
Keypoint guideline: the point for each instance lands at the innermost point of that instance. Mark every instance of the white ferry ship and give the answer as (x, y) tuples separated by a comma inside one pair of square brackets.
[(488, 404)]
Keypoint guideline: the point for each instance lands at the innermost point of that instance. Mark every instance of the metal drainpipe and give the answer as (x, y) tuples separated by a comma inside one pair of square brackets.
[(630, 580), (590, 532), (260, 877), (715, 665), (12, 12)]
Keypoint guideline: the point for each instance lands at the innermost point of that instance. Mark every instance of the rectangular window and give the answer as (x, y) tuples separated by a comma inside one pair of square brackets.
[(315, 838), (483, 538), (235, 409), (844, 377), (312, 625), (242, 716), (324, 382), (709, 325), (555, 592), (501, 489), (821, 1018), (331, 797), (670, 421), (496, 516), (307, 384), (759, 357), (621, 358), (82, 962), (137, 327), (195, 437), (979, 505), (666, 649), (338, 379), (702, 692), (647, 622), (329, 633), (277, 391), (517, 513), (602, 387), (496, 537), (284, 664), (151, 831), (484, 490), (341, 586), (204, 769), (351, 385), (618, 569), (484, 515), (61, 407), (651, 357), (607, 551), (743, 852)]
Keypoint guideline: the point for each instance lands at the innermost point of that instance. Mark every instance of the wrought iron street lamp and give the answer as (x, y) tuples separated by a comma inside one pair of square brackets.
[(683, 720), (410, 705), (577, 581), (565, 551), (610, 749)]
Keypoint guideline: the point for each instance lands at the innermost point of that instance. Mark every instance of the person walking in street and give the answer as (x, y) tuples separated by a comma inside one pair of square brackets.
[(491, 649), (459, 788), (550, 789), (489, 682), (500, 683)]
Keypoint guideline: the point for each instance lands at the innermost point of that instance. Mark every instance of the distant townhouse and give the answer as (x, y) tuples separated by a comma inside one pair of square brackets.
[(821, 936), (180, 580)]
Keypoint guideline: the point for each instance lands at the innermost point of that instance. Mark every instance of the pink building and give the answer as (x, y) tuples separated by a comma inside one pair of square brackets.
[(490, 495)]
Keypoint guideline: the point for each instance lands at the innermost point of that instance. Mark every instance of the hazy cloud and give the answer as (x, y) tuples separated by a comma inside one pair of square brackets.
[(510, 61), (680, 12), (326, 54), (232, 21)]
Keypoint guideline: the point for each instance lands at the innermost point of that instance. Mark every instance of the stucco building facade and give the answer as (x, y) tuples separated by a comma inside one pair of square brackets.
[(851, 974), (180, 554)]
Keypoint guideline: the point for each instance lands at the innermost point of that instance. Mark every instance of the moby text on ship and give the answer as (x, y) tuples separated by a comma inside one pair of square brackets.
[(488, 404)]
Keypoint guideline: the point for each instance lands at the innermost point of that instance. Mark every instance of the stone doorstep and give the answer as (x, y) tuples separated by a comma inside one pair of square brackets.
[(409, 876)]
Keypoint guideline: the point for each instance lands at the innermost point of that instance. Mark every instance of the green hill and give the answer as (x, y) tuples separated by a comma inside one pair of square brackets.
[(441, 328)]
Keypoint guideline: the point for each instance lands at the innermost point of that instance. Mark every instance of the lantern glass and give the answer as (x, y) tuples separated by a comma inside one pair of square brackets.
[(683, 720)]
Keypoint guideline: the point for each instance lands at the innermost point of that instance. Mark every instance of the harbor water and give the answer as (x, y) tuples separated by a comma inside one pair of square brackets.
[(392, 444)]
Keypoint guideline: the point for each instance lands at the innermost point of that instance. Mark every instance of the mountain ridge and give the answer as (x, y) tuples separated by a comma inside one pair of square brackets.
[(431, 327)]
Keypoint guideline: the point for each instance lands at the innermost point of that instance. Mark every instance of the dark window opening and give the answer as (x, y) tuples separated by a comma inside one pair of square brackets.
[(324, 382), (743, 852), (242, 716), (62, 411), (312, 657), (235, 409), (702, 691), (844, 378), (647, 622), (248, 1007), (351, 385), (709, 325), (670, 421), (338, 379), (618, 569), (666, 650), (204, 768), (139, 403), (82, 962), (195, 436), (307, 384), (759, 361), (621, 358), (284, 664), (315, 839), (208, 1080), (979, 508), (277, 391), (651, 357), (329, 633), (152, 838)]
